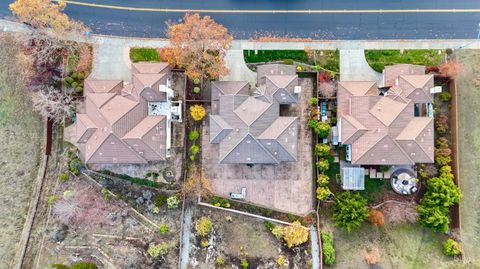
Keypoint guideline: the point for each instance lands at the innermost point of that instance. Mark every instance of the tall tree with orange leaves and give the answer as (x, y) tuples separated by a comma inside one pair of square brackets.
[(199, 45), (41, 13)]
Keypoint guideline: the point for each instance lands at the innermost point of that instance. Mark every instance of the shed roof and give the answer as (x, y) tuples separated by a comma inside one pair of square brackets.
[(353, 178)]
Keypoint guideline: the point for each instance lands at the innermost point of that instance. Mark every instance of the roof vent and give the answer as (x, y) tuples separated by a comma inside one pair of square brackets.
[(379, 108), (244, 108)]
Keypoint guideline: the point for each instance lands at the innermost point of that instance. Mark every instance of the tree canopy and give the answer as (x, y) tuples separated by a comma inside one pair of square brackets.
[(349, 210), (199, 45)]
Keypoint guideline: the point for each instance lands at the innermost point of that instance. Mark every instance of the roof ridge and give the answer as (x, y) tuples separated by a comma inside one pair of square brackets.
[(121, 140), (241, 140)]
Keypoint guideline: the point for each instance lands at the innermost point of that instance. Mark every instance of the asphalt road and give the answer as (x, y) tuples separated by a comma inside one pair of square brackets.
[(371, 24)]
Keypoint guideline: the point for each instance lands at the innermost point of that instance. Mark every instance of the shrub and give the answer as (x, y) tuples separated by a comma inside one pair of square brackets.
[(270, 226), (203, 226), (244, 264), (155, 250), (159, 200), (445, 96), (434, 207), (173, 201), (52, 199), (451, 248), (281, 260), (324, 76), (327, 247), (83, 265), (219, 261), (75, 166), (63, 177), (323, 193), (322, 180), (441, 124), (442, 142), (323, 165), (376, 217), (164, 229), (299, 68), (443, 160), (218, 201), (196, 81), (443, 152), (57, 266), (349, 210), (193, 135), (322, 150), (204, 243), (197, 112), (194, 149), (196, 90), (295, 234), (278, 231), (313, 101), (322, 129), (451, 69)]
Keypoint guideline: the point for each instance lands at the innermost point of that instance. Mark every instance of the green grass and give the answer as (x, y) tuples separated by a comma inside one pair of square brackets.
[(288, 56), (144, 55), (373, 187), (378, 59)]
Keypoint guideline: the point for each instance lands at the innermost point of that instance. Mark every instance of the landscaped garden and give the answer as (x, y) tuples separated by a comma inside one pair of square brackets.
[(223, 240), (378, 59), (305, 60)]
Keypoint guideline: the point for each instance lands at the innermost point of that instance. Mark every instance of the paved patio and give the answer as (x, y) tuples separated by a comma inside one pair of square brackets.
[(286, 187)]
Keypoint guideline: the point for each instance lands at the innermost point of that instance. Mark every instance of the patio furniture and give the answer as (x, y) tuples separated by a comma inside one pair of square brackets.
[(386, 174), (373, 173), (379, 174)]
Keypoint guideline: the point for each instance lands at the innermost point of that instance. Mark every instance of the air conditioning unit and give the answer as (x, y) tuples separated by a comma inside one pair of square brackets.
[(163, 88), (297, 89), (436, 89), (169, 83)]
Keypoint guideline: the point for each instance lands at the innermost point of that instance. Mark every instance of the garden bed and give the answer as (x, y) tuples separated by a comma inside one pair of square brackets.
[(235, 238)]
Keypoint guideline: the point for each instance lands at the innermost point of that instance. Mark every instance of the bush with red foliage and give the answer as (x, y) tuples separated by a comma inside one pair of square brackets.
[(451, 69), (324, 76), (376, 217), (441, 123), (432, 69)]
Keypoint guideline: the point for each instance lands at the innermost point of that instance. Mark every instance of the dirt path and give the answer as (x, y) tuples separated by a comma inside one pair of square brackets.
[(468, 87)]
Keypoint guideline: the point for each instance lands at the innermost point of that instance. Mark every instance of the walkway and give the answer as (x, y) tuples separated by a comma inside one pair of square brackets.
[(354, 67), (315, 248), (187, 227)]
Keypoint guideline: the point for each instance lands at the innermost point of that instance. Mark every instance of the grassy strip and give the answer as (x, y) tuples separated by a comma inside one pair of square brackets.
[(288, 56), (144, 55), (329, 60), (378, 59), (133, 180)]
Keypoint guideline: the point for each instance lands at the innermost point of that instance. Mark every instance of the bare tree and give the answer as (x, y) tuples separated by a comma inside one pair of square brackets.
[(52, 103)]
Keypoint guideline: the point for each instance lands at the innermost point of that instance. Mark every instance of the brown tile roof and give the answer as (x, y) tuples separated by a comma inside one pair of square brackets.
[(249, 129), (251, 109), (358, 88), (386, 110), (144, 127), (137, 138), (116, 108), (383, 129), (392, 72), (101, 86), (150, 68), (281, 81)]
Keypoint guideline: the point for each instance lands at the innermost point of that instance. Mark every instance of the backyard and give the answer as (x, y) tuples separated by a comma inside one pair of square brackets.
[(235, 238)]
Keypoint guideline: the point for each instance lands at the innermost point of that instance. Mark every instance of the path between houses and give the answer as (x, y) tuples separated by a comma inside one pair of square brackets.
[(187, 225), (315, 248)]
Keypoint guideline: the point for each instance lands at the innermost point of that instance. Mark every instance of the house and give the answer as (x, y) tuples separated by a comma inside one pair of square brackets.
[(127, 123), (247, 127), (390, 125)]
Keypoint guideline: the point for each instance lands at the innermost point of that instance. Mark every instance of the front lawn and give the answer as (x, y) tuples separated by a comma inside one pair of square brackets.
[(275, 55), (378, 59), (144, 55)]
